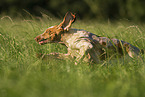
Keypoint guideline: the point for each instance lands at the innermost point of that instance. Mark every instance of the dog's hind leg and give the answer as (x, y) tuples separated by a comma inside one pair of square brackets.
[(132, 50)]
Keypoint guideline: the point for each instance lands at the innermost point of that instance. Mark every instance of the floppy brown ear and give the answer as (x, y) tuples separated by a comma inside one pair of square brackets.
[(67, 21)]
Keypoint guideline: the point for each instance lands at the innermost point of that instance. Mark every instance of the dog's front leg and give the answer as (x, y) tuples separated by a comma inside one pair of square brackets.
[(84, 48), (50, 56)]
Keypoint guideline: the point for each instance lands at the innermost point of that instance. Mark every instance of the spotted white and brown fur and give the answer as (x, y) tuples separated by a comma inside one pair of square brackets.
[(83, 45)]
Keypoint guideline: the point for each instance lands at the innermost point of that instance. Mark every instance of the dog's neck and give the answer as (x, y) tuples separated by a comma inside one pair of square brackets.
[(65, 36)]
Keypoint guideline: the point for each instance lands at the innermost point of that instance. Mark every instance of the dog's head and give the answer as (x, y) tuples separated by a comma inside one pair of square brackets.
[(53, 34)]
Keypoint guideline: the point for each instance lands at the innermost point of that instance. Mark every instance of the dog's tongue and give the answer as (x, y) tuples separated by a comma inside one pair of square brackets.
[(41, 42)]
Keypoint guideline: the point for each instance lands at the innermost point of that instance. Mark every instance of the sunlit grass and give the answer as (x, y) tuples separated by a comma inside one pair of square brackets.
[(23, 75)]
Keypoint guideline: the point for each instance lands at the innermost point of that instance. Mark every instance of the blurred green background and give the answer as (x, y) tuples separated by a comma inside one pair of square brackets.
[(86, 9)]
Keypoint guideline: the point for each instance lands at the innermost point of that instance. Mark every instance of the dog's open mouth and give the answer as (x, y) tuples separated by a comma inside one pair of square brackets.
[(44, 41)]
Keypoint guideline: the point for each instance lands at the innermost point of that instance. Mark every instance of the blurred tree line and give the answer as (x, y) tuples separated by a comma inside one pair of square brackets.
[(90, 9)]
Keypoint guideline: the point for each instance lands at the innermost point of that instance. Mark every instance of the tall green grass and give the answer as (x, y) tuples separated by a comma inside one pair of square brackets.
[(23, 75)]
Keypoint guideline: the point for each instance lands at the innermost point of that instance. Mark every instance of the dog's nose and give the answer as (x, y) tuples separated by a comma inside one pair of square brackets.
[(36, 39)]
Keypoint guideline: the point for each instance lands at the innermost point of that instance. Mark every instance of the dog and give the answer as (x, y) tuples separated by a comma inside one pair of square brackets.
[(83, 45)]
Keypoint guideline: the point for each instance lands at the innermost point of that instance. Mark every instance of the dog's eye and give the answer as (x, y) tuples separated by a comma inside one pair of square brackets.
[(47, 31)]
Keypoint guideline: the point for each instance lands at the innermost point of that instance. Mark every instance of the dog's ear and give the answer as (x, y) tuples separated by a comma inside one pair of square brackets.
[(67, 21)]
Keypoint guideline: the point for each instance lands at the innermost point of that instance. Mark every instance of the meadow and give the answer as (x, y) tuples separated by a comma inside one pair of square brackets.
[(22, 74)]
